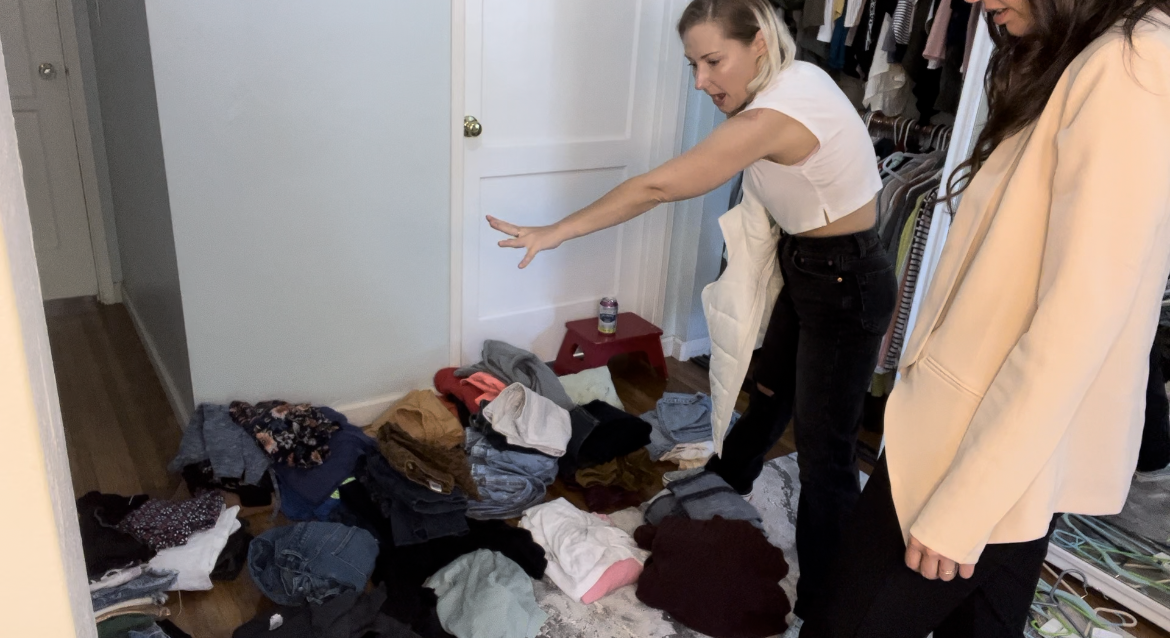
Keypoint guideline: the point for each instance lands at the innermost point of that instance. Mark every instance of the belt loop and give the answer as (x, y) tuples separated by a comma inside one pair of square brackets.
[(861, 248)]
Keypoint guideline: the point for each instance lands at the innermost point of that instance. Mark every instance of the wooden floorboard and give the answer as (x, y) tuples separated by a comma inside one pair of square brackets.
[(120, 433)]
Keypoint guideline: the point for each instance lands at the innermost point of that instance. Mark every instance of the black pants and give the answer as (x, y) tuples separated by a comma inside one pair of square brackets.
[(817, 361), (1155, 450), (874, 594)]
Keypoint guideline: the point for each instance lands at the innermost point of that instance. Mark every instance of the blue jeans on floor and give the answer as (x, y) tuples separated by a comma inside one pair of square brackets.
[(817, 362), (509, 480), (311, 561), (149, 583)]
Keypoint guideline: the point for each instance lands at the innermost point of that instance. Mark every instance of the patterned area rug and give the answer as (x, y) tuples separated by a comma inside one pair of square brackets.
[(621, 615)]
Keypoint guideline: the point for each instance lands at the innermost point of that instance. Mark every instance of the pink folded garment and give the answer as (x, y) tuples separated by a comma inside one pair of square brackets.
[(622, 573), (491, 386)]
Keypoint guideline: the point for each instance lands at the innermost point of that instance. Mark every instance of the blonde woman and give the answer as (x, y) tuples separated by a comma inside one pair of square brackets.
[(809, 161)]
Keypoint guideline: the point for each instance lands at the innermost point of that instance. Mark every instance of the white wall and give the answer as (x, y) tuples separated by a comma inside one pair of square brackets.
[(308, 152), (138, 187), (46, 593), (696, 244)]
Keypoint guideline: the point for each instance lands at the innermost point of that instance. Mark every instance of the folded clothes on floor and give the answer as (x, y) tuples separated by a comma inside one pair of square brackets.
[(195, 560), (105, 547), (529, 420), (718, 577), (423, 418), (416, 514), (200, 477), (296, 508), (354, 614), (160, 629), (311, 562), (293, 435), (486, 595), (632, 472), (702, 496), (581, 548), (234, 555), (211, 435), (161, 523), (690, 455), (513, 365), (115, 577), (423, 441), (602, 433), (509, 479), (489, 385), (595, 384), (678, 418), (314, 485), (147, 604), (122, 625), (447, 384), (414, 564), (148, 583)]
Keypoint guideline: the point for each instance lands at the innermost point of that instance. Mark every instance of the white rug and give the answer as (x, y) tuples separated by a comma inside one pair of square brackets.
[(621, 615)]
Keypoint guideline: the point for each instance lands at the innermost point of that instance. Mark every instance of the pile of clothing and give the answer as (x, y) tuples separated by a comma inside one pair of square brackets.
[(416, 503), (138, 548)]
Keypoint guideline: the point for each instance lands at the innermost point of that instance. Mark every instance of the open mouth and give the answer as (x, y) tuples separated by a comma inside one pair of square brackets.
[(719, 98), (999, 16)]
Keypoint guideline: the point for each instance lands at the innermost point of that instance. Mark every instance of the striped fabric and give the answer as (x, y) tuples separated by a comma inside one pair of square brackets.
[(904, 21), (913, 269)]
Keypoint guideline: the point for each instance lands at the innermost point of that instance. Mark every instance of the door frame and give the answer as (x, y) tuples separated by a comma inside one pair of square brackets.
[(666, 142)]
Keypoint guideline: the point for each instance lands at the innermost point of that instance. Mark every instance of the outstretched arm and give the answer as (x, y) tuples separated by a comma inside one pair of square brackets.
[(730, 148)]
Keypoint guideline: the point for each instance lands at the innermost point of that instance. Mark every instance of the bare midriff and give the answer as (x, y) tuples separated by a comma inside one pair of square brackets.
[(858, 221)]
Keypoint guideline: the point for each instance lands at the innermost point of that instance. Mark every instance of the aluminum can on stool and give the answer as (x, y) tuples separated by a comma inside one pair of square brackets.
[(607, 316)]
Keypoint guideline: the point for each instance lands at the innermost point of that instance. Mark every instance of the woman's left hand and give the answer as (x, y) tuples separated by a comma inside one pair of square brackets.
[(932, 565)]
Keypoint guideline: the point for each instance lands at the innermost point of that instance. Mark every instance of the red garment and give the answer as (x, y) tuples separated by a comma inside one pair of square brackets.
[(447, 383)]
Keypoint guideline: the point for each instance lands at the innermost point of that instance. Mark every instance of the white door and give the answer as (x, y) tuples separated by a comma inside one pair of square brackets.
[(565, 91), (48, 151)]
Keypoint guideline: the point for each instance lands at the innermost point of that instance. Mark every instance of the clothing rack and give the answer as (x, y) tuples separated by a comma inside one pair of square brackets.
[(903, 130)]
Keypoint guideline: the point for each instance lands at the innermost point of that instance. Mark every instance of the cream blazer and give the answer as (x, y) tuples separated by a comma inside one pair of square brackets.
[(1023, 384)]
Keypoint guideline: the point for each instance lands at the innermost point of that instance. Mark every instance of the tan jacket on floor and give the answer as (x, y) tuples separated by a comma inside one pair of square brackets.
[(1023, 385)]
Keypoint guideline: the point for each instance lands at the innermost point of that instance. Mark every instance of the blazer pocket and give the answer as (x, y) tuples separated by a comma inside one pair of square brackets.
[(947, 376)]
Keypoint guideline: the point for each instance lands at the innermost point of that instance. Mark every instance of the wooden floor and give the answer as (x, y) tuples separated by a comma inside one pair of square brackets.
[(121, 433)]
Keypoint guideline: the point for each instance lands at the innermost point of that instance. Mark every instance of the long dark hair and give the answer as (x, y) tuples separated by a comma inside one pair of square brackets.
[(1023, 71)]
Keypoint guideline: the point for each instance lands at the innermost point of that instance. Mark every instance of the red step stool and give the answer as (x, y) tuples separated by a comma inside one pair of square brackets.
[(634, 334)]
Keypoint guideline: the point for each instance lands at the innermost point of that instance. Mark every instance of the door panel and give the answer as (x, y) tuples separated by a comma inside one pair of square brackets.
[(48, 149), (565, 91)]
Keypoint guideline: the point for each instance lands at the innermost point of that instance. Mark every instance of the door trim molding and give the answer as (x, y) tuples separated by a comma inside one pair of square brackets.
[(458, 99), (670, 104), (95, 181), (666, 143)]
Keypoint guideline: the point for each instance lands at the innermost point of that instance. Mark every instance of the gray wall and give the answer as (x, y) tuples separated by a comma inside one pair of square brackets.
[(138, 185), (308, 159), (696, 244)]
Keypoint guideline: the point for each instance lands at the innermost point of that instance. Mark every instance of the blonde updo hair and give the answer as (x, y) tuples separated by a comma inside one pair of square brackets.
[(741, 20)]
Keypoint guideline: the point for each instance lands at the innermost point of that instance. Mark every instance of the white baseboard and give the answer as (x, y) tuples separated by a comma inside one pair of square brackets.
[(684, 350), (178, 406), (362, 413)]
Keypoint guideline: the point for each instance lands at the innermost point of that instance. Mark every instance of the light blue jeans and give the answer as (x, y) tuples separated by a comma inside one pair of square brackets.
[(509, 480)]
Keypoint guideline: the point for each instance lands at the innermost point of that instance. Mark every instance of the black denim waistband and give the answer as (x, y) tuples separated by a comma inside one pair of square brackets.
[(862, 244)]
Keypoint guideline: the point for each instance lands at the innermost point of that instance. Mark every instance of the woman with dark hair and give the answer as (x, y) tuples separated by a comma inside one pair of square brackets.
[(1022, 388)]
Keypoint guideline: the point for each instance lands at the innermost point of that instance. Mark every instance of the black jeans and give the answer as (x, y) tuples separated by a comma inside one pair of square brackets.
[(1155, 450), (817, 362), (874, 594)]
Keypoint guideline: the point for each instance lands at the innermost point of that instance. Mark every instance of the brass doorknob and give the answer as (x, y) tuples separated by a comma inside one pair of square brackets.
[(471, 127)]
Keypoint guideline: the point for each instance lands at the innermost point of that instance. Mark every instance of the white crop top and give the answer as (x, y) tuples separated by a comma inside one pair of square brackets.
[(838, 178)]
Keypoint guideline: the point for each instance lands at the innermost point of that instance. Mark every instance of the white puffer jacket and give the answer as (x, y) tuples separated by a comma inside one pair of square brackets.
[(739, 304)]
